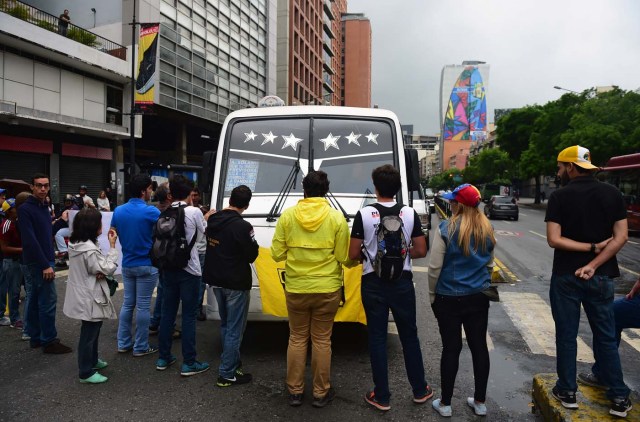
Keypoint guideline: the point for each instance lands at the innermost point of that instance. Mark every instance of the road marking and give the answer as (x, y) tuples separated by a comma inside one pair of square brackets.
[(506, 270), (524, 215), (538, 234), (532, 316), (632, 242), (392, 329), (628, 270), (419, 269), (634, 339), (506, 233)]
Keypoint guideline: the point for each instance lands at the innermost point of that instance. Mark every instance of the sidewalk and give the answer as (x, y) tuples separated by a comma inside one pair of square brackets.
[(529, 202)]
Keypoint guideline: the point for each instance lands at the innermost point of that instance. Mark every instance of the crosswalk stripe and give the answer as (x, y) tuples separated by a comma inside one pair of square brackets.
[(489, 341), (532, 316), (632, 337)]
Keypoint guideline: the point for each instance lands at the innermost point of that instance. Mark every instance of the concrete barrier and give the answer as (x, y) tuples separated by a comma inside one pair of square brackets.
[(593, 403)]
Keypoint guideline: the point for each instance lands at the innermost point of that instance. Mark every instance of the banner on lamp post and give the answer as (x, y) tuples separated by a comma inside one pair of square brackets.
[(145, 86)]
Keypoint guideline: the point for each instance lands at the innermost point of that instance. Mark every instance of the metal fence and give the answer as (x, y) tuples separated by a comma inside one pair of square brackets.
[(52, 23)]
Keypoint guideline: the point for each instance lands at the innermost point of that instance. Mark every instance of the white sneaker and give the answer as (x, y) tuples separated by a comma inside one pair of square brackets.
[(5, 322), (479, 409), (441, 408)]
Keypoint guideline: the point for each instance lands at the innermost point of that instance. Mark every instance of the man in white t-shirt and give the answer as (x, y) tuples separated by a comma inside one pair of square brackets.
[(182, 285), (380, 295)]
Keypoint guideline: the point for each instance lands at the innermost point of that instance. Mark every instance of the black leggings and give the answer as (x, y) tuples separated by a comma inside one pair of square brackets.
[(472, 312)]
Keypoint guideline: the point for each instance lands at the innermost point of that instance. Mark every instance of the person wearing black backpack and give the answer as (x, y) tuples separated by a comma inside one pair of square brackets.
[(174, 236), (386, 235)]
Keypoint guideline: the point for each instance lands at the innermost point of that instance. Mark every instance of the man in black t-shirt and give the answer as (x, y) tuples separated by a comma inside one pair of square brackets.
[(379, 296), (587, 226), (63, 23)]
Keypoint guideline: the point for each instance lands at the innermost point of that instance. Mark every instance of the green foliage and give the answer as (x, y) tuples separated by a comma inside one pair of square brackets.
[(46, 25), (82, 36), (446, 180), (20, 12), (515, 129), (490, 166)]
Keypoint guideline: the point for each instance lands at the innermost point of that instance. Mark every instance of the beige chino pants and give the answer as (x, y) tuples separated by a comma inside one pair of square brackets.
[(311, 315)]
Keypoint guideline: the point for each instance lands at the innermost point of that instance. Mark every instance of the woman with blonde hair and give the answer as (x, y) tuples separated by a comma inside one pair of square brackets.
[(459, 275)]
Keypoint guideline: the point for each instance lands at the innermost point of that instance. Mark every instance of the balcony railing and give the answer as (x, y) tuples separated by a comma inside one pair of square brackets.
[(49, 22)]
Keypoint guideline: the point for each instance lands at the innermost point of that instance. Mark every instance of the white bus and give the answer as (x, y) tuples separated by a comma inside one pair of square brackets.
[(270, 149)]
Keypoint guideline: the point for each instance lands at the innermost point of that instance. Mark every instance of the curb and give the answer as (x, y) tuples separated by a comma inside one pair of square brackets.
[(593, 403)]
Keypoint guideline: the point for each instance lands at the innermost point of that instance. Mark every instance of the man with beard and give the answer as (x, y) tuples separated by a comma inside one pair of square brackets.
[(587, 226)]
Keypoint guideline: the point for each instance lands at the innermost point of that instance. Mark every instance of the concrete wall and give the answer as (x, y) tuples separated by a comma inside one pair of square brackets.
[(42, 87)]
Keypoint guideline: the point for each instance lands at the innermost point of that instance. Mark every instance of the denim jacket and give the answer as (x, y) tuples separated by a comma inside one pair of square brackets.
[(451, 273)]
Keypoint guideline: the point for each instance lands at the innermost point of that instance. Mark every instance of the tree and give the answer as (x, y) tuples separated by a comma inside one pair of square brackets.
[(446, 180), (490, 166), (514, 132)]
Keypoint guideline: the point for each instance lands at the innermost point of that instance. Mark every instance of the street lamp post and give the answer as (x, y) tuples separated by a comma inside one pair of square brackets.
[(565, 89), (132, 116)]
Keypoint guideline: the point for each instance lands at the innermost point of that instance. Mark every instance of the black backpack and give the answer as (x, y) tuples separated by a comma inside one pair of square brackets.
[(388, 262), (170, 249)]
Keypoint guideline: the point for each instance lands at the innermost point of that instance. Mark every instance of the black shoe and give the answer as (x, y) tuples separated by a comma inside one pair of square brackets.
[(295, 400), (620, 406), (566, 398), (201, 316), (590, 379), (56, 348), (239, 378), (153, 329), (61, 265), (322, 402)]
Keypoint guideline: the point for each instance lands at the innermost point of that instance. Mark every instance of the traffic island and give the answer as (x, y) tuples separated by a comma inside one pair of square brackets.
[(593, 403)]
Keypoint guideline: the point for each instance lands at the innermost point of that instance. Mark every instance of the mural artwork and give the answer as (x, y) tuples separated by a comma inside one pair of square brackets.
[(466, 117)]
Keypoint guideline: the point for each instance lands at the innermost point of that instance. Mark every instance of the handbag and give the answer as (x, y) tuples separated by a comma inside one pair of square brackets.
[(112, 283), (492, 293)]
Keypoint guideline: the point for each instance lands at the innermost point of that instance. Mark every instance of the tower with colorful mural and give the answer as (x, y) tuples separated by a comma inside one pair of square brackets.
[(463, 109)]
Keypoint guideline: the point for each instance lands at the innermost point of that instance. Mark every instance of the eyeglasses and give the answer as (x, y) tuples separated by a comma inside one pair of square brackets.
[(41, 185)]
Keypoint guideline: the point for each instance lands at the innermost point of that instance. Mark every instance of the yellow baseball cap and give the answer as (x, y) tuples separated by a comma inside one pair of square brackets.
[(577, 155)]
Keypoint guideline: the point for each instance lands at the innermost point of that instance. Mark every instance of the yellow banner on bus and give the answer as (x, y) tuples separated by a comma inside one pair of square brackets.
[(270, 276)]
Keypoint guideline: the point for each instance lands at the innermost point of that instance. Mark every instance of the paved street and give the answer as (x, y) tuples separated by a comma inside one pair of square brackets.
[(45, 387)]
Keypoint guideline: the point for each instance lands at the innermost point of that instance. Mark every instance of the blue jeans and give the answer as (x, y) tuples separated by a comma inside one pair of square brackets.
[(233, 306), (59, 237), (157, 309), (179, 285), (139, 283), (378, 296), (567, 293), (41, 307), (627, 315), (11, 276)]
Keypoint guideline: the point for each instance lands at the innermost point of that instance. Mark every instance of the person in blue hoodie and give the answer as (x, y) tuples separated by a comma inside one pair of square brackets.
[(460, 269), (38, 261)]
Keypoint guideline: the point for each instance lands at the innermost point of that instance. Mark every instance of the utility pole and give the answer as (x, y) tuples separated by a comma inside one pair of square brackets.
[(132, 116)]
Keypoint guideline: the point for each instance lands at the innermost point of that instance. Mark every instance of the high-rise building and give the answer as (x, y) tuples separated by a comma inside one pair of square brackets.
[(356, 85), (310, 51), (463, 109)]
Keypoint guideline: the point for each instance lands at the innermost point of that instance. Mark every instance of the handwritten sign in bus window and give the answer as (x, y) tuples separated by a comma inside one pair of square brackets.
[(241, 172)]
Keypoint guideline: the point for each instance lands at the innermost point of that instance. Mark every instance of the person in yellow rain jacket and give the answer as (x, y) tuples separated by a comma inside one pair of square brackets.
[(313, 238)]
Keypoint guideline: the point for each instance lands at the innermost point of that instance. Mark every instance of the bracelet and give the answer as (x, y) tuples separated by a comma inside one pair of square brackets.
[(593, 248)]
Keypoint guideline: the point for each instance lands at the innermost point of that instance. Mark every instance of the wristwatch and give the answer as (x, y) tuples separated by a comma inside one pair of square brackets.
[(593, 248)]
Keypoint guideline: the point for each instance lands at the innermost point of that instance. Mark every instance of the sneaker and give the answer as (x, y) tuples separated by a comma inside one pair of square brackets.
[(620, 406), (125, 349), (162, 364), (566, 398), (94, 379), (56, 349), (295, 400), (201, 315), (370, 398), (590, 379), (479, 409), (239, 378), (18, 325), (101, 364), (323, 401), (153, 329), (441, 408), (149, 351), (25, 336), (5, 322), (193, 369), (61, 265), (423, 398)]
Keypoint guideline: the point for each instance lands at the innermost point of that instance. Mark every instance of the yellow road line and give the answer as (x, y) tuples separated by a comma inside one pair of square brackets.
[(632, 242), (506, 270), (628, 270), (417, 269), (632, 336), (532, 316), (538, 234)]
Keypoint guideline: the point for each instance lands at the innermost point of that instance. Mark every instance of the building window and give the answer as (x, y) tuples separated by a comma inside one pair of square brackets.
[(114, 105)]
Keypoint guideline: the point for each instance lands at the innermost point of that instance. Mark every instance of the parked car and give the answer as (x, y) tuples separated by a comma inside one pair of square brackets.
[(501, 206), (428, 193)]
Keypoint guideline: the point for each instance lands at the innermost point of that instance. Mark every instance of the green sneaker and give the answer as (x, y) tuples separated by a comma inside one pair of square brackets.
[(101, 364), (94, 379)]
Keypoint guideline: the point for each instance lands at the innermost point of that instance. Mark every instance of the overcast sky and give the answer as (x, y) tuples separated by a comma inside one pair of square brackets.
[(530, 45)]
